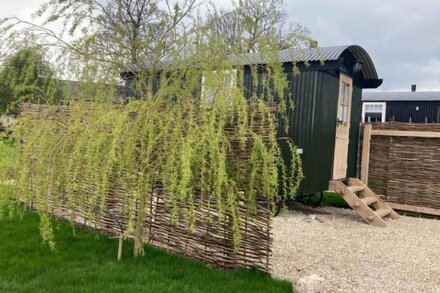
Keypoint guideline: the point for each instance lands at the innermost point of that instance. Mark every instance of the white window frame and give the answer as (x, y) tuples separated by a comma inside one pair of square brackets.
[(344, 106), (384, 109), (233, 82)]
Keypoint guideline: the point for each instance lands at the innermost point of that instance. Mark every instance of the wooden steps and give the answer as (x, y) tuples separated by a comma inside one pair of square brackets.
[(383, 212), (355, 188), (364, 201), (369, 200)]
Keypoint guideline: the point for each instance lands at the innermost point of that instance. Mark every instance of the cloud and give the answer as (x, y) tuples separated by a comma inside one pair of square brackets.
[(431, 70), (401, 36), (21, 8)]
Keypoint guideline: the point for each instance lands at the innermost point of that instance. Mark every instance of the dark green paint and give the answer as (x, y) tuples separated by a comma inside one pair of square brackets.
[(355, 120), (312, 123)]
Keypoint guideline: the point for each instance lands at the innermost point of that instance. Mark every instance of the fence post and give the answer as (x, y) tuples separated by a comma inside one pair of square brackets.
[(366, 153), (120, 246)]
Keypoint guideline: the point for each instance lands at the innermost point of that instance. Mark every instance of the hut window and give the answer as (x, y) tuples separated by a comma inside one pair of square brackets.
[(344, 104), (373, 112), (218, 83)]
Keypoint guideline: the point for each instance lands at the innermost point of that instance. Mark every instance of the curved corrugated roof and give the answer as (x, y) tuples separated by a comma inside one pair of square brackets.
[(305, 55), (400, 96), (313, 55)]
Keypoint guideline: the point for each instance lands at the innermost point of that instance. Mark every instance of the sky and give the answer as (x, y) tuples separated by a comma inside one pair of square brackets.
[(401, 36)]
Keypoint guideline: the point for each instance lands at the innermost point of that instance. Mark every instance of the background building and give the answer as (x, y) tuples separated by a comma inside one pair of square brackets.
[(413, 106)]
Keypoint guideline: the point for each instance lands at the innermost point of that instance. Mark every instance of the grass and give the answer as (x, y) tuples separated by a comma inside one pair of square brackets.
[(86, 261), (329, 199), (8, 154), (334, 200), (8, 161)]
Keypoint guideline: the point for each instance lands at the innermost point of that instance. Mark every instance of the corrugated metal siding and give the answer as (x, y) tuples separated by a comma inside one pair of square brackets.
[(402, 111), (312, 123), (313, 126), (355, 120), (303, 125)]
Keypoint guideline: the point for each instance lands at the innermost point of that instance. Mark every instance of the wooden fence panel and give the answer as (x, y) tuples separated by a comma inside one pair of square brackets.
[(211, 241), (404, 163)]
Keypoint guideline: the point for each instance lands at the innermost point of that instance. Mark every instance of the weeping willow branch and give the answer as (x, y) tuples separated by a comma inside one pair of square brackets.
[(195, 130), (185, 148)]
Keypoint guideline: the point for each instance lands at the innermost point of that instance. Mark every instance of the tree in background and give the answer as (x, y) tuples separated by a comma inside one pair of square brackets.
[(25, 76), (251, 21), (178, 136), (110, 36)]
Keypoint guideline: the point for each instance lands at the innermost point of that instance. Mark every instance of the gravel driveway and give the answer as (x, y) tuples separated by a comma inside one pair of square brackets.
[(355, 257)]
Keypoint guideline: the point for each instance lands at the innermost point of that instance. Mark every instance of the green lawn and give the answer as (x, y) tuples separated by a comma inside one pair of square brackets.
[(329, 199), (334, 200), (8, 154), (8, 160), (86, 262)]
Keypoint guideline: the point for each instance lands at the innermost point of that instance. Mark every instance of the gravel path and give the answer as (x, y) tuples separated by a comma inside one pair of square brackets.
[(355, 257)]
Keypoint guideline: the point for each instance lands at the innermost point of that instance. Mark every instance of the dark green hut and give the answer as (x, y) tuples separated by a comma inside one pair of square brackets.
[(324, 123)]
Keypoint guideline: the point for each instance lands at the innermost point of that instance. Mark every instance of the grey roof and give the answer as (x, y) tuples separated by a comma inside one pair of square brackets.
[(400, 96), (296, 55), (313, 55), (304, 55)]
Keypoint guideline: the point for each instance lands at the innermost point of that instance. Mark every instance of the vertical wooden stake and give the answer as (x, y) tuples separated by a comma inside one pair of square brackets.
[(121, 243), (366, 153)]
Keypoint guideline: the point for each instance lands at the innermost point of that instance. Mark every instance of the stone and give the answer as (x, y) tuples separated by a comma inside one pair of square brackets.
[(310, 284)]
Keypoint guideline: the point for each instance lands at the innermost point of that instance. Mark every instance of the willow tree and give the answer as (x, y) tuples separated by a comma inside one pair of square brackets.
[(250, 21), (109, 36), (26, 75), (177, 138)]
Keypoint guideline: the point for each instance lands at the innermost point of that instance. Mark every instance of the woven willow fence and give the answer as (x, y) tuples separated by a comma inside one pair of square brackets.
[(211, 241), (405, 168)]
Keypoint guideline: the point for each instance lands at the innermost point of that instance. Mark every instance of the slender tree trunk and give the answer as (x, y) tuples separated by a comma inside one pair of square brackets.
[(138, 243), (150, 88)]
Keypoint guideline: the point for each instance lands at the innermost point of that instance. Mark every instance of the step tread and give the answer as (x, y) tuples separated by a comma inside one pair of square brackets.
[(355, 188), (382, 212), (369, 200), (372, 209)]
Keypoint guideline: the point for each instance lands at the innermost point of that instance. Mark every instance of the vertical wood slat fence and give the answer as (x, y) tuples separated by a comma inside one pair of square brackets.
[(211, 241), (401, 161)]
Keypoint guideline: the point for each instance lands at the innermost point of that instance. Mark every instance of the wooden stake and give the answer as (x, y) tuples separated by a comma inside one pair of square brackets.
[(121, 243), (366, 153)]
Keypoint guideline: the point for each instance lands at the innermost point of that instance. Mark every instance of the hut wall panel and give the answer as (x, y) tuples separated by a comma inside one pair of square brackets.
[(355, 120), (312, 122), (406, 169), (313, 126), (322, 132)]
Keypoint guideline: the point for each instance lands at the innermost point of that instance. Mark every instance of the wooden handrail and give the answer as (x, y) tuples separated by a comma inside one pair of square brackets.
[(427, 134)]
